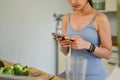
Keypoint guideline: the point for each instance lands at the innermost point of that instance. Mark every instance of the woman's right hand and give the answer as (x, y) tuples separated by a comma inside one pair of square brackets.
[(66, 42)]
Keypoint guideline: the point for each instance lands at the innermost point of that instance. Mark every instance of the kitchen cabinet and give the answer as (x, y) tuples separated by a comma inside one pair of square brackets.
[(110, 5)]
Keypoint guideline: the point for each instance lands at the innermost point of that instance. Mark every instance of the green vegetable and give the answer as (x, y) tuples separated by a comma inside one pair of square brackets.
[(1, 70), (2, 64), (18, 68), (9, 70), (25, 71)]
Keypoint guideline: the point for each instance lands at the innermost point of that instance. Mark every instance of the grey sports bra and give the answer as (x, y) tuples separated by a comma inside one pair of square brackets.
[(88, 33)]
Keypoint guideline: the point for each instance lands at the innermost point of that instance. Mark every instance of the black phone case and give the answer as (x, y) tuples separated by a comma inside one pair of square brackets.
[(58, 35)]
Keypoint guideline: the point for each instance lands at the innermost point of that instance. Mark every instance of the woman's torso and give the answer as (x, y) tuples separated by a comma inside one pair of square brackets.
[(89, 33)]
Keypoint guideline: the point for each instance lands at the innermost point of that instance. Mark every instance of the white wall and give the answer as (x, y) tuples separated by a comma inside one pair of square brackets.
[(25, 32)]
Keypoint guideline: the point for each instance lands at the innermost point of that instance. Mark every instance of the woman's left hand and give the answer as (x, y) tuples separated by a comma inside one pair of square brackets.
[(79, 43)]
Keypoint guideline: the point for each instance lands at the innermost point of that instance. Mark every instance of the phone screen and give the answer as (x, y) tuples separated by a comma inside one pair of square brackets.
[(58, 35)]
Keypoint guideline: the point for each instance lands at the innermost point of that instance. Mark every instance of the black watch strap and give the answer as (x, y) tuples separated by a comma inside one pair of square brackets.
[(91, 48)]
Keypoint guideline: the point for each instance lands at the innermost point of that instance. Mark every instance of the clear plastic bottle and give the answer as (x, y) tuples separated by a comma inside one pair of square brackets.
[(76, 68)]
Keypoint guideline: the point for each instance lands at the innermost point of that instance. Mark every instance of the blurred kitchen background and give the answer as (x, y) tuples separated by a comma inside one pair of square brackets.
[(26, 27)]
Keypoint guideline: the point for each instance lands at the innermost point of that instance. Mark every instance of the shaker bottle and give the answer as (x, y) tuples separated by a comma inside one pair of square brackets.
[(76, 68)]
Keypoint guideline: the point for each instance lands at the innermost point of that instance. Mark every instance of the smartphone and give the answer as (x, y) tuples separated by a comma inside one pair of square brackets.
[(58, 35)]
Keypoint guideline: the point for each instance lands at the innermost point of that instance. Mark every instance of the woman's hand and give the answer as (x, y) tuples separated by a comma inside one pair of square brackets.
[(65, 43), (79, 43)]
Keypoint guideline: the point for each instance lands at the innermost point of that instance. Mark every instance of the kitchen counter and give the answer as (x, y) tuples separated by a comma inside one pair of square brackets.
[(33, 70)]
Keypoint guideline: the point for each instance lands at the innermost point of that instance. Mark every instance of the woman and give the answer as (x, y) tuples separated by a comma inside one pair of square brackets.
[(88, 34)]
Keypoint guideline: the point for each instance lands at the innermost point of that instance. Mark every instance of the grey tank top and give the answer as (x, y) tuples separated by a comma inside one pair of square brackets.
[(94, 63), (88, 33)]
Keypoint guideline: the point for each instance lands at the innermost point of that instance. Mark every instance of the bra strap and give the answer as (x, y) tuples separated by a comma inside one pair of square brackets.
[(68, 18), (92, 20)]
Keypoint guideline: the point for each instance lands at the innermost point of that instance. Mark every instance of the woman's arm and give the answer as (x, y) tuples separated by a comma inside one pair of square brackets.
[(63, 45), (104, 31)]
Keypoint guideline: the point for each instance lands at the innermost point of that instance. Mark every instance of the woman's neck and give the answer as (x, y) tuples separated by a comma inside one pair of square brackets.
[(87, 9)]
